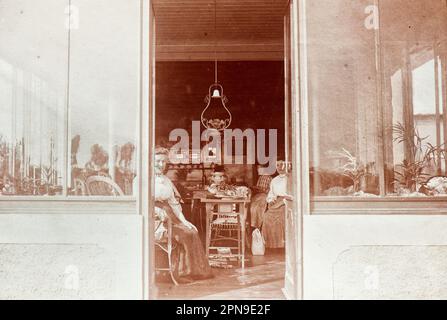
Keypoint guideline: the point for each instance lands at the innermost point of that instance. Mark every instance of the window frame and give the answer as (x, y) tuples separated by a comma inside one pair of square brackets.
[(69, 204)]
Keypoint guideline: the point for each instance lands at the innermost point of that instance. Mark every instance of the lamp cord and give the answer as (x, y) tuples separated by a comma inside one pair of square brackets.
[(215, 41)]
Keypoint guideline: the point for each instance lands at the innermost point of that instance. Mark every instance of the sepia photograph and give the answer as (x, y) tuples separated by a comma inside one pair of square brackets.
[(252, 150)]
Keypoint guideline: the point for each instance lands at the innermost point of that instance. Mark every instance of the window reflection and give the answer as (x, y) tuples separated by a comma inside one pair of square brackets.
[(31, 134), (378, 99), (414, 58), (343, 100), (103, 146), (67, 133), (104, 102), (33, 84), (103, 175)]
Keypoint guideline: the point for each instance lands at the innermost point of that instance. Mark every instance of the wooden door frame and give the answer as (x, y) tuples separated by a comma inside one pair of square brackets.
[(147, 144), (300, 157), (302, 126)]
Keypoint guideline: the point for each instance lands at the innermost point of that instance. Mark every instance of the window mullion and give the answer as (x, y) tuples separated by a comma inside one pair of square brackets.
[(444, 104), (66, 146), (437, 107), (380, 116)]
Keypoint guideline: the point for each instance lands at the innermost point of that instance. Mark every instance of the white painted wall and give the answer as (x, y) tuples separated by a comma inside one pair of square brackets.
[(375, 257), (59, 256)]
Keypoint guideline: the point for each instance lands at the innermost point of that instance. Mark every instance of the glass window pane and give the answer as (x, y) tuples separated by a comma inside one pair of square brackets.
[(33, 85), (104, 98), (414, 51), (378, 106), (343, 98)]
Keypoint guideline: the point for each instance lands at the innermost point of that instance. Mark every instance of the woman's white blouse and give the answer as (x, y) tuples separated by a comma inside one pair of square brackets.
[(278, 188), (166, 191)]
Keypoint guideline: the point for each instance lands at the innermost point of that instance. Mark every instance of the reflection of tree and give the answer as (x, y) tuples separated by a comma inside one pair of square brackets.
[(75, 170), (125, 168), (75, 142)]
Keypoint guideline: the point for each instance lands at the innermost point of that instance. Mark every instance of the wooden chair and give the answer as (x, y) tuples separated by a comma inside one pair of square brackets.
[(168, 246), (102, 186), (226, 223), (226, 227)]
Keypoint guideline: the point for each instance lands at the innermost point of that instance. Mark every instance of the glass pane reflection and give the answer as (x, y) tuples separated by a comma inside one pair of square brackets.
[(33, 84)]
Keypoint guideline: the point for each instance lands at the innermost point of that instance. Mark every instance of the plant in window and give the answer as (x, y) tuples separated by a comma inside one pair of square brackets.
[(419, 155), (435, 152), (410, 176), (353, 169)]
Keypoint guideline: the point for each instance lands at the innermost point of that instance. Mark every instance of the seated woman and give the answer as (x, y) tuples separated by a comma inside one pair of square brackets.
[(273, 228), (259, 201), (193, 261)]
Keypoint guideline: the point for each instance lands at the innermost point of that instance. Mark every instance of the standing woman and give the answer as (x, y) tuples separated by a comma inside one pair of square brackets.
[(193, 261)]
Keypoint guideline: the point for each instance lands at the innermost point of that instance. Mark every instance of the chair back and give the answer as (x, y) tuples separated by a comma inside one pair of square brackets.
[(103, 186)]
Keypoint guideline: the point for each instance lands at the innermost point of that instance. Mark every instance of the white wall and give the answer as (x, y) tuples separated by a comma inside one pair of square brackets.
[(61, 256), (375, 257)]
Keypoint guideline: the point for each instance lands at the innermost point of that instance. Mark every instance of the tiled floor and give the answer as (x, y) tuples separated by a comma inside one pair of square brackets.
[(262, 278)]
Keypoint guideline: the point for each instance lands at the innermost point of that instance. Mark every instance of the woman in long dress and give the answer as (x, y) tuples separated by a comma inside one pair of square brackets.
[(273, 228), (193, 261), (258, 204)]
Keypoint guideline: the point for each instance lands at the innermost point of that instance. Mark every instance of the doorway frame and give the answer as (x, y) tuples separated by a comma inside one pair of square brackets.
[(296, 34), (300, 156)]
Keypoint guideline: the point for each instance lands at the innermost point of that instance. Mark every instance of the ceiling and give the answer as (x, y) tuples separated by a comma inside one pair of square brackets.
[(245, 29)]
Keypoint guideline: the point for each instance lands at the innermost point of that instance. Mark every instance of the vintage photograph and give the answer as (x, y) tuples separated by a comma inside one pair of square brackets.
[(223, 149)]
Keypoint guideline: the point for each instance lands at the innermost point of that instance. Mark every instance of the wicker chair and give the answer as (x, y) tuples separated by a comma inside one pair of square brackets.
[(80, 188), (168, 246), (102, 186), (226, 228)]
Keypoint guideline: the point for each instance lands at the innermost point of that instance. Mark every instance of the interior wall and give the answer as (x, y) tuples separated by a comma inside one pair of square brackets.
[(255, 90)]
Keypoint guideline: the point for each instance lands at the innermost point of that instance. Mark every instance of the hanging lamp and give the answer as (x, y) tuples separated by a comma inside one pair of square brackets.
[(216, 115)]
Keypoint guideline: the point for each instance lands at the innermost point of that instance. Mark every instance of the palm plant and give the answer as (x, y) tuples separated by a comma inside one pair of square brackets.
[(418, 156), (353, 169)]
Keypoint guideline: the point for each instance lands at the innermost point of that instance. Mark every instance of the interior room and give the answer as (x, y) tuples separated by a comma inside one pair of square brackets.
[(238, 44)]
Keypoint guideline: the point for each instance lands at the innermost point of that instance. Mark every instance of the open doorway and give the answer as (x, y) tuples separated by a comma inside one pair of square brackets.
[(240, 46)]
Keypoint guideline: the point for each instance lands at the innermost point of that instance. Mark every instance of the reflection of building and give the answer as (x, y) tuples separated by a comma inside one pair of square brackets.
[(347, 86)]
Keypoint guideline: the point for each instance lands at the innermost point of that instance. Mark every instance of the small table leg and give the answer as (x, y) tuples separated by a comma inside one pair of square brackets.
[(243, 236), (208, 228)]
